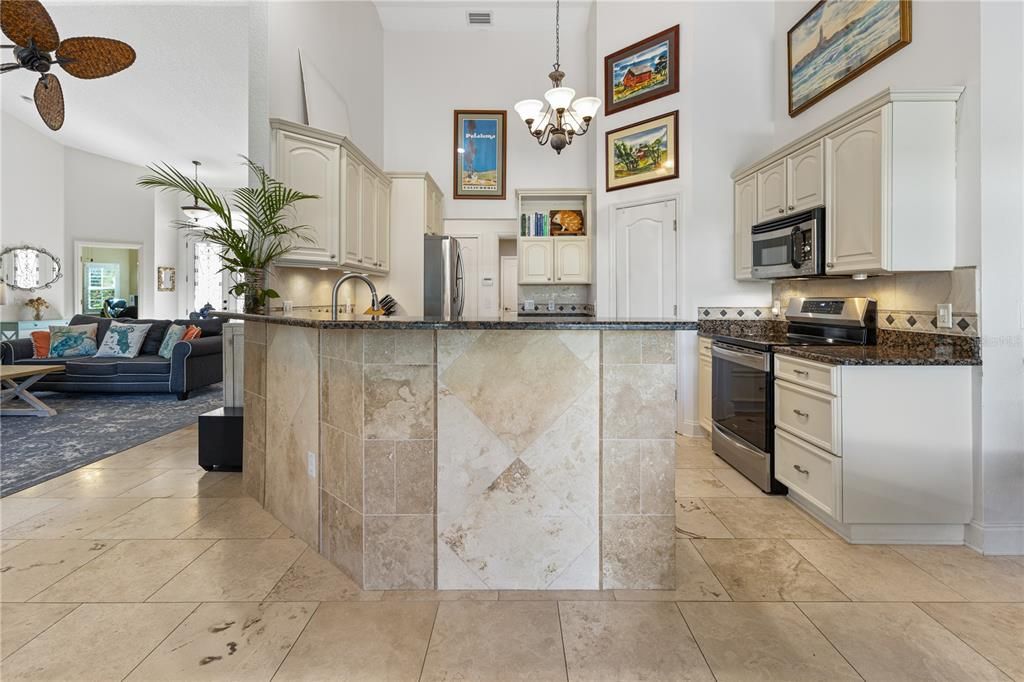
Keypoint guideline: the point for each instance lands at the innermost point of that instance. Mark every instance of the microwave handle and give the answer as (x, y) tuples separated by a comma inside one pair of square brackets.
[(793, 255)]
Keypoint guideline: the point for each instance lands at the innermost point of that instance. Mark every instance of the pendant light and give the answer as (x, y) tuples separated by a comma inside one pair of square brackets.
[(195, 212), (564, 118)]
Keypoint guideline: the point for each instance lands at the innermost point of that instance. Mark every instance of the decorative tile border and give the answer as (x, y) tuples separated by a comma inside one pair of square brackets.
[(924, 322), (720, 313), (560, 309)]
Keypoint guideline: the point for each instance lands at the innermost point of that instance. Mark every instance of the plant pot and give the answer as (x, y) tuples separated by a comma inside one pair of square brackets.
[(255, 283)]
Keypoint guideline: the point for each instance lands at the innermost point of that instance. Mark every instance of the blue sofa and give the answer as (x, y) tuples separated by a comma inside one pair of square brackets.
[(193, 364)]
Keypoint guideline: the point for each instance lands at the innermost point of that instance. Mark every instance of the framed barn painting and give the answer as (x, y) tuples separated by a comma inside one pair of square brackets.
[(642, 153), (479, 161), (643, 71), (839, 40)]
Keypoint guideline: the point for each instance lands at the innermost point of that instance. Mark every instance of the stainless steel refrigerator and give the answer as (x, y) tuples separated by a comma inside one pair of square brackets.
[(444, 289)]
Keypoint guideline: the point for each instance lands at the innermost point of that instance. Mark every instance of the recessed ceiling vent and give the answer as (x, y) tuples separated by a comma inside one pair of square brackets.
[(479, 18)]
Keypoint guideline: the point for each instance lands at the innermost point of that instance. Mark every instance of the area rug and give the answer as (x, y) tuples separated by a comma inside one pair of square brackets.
[(89, 427)]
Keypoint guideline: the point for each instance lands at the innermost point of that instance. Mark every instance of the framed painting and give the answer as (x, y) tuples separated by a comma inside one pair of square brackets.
[(479, 162), (642, 153), (839, 40), (644, 71)]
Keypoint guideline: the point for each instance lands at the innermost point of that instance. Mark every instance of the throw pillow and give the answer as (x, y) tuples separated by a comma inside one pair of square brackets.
[(193, 332), (74, 341), (40, 344), (123, 340), (174, 334)]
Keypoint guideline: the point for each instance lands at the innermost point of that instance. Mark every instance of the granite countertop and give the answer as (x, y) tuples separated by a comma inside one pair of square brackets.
[(351, 321), (901, 355)]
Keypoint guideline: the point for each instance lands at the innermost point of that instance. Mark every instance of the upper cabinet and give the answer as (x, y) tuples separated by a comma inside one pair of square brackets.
[(885, 172), (565, 257), (349, 225)]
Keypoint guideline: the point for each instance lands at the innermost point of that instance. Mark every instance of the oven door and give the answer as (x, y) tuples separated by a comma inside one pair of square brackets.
[(741, 400)]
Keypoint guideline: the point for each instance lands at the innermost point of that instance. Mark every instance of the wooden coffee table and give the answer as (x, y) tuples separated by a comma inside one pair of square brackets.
[(12, 389)]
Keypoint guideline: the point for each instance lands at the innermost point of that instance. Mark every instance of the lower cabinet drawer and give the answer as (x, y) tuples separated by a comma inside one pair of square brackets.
[(811, 415), (813, 473)]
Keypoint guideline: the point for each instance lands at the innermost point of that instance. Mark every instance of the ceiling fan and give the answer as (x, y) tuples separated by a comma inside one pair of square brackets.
[(27, 24)]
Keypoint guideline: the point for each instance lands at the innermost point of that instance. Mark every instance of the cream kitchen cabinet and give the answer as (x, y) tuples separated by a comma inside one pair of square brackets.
[(434, 207), (805, 178), (417, 199), (704, 383), (858, 447), (350, 222), (572, 260), (771, 191), (744, 217), (536, 260)]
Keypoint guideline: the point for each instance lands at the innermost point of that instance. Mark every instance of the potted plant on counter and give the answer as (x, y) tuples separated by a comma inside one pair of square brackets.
[(249, 250)]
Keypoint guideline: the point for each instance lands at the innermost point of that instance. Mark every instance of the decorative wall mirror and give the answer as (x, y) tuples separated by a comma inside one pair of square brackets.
[(29, 268), (165, 278)]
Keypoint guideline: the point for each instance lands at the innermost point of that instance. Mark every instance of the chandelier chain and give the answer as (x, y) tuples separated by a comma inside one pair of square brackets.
[(558, 62)]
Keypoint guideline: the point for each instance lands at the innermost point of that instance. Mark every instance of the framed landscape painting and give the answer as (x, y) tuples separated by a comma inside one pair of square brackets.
[(641, 153), (479, 154), (643, 71), (839, 40)]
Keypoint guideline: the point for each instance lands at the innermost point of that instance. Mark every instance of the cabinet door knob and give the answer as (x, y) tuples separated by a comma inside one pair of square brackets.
[(334, 256), (829, 265), (801, 372), (801, 414), (782, 210), (791, 208), (799, 468), (360, 260)]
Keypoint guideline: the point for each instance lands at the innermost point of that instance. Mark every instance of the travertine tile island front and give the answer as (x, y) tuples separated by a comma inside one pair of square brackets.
[(428, 455)]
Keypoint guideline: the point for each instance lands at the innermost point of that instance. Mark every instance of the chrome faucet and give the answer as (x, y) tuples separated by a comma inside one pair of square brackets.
[(374, 303)]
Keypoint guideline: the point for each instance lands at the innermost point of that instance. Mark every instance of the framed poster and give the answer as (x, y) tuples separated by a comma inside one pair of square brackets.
[(642, 153), (643, 71), (479, 162), (839, 40)]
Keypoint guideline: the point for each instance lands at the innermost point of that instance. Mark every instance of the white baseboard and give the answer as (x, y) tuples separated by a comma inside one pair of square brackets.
[(692, 430), (995, 538)]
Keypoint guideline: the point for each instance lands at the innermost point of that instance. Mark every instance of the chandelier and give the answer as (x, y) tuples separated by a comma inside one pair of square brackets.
[(195, 212), (563, 118)]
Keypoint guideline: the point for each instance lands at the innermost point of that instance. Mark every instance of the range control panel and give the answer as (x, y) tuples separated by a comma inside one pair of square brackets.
[(823, 306)]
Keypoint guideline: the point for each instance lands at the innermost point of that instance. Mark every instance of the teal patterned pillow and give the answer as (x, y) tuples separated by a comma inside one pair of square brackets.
[(123, 340), (72, 341), (173, 335)]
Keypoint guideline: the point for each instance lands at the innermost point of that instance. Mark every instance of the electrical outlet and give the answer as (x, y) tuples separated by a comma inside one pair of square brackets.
[(551, 307), (311, 464), (944, 315)]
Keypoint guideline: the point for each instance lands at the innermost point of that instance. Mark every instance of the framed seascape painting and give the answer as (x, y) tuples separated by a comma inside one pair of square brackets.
[(839, 40), (643, 71), (641, 153), (479, 154)]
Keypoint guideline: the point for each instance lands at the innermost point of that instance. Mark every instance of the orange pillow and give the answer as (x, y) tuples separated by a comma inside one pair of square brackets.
[(193, 332), (40, 344)]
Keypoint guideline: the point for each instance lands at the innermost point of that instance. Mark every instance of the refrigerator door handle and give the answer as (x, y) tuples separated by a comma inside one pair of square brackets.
[(460, 282)]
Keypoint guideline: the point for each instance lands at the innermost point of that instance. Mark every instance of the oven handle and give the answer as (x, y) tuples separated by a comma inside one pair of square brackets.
[(752, 359)]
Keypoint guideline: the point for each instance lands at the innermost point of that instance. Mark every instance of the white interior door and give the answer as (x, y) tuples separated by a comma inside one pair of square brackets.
[(509, 287), (470, 248), (645, 260)]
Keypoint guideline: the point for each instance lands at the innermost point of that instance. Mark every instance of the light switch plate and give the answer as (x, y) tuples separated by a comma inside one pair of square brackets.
[(311, 464), (944, 315)]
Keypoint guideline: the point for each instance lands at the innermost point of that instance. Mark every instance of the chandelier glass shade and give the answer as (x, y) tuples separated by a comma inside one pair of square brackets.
[(562, 118), (195, 212)]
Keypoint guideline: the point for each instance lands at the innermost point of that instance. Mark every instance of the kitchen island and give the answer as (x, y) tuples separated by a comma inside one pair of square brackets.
[(480, 454)]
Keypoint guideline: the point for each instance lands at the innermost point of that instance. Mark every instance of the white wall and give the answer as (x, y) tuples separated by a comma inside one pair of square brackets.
[(345, 41), (430, 74), (167, 242), (32, 207)]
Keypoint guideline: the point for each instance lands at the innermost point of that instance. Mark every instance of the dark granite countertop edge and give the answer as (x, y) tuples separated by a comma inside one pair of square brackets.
[(538, 323), (888, 357)]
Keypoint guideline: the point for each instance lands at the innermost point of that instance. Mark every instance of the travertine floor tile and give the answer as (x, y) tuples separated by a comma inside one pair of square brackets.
[(131, 571), (700, 483), (557, 595), (95, 642), (242, 641), (996, 631), (103, 482), (738, 483), (976, 577), (763, 642), (19, 623), (176, 483), (629, 641), (43, 489), (229, 486), (7, 545), (698, 457), (314, 578), (75, 518), (362, 641), (440, 595), (186, 457), (508, 640), (161, 518), (34, 565), (233, 570), (872, 572), (694, 519), (762, 518), (138, 457), (765, 570), (898, 642), (14, 510), (694, 581), (241, 517)]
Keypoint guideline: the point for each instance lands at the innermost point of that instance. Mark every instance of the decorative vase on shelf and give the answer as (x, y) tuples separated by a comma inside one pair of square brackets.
[(37, 304)]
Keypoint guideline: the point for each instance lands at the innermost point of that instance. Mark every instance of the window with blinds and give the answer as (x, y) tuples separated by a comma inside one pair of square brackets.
[(100, 283)]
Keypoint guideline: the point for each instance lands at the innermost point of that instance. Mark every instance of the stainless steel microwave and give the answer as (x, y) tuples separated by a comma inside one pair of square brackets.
[(793, 246)]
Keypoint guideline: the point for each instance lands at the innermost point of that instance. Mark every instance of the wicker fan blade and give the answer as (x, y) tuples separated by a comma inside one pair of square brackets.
[(25, 21), (50, 101), (90, 57)]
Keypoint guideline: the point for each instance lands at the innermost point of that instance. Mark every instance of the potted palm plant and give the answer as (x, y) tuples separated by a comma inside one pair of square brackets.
[(249, 250)]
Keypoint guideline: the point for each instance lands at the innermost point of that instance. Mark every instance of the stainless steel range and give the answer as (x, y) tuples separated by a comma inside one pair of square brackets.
[(742, 400)]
